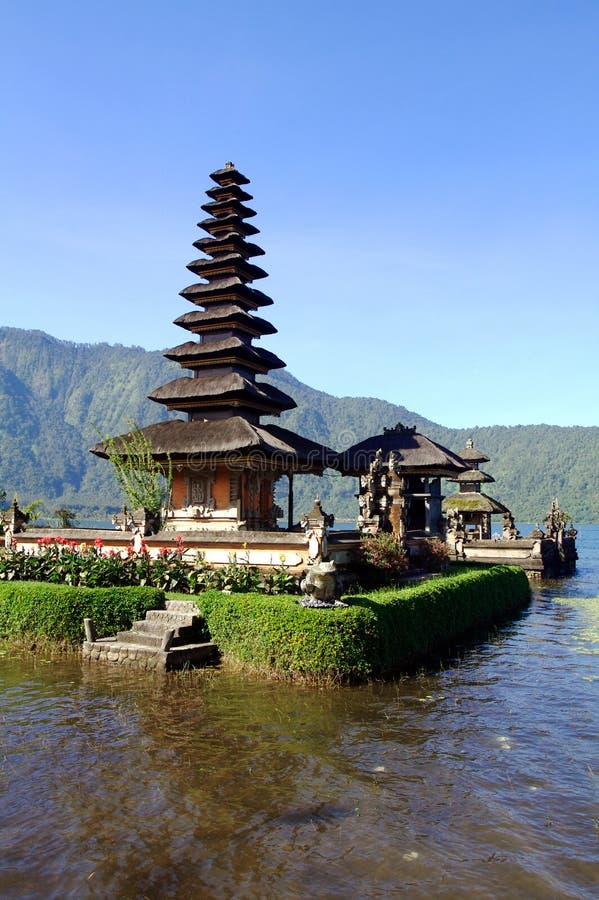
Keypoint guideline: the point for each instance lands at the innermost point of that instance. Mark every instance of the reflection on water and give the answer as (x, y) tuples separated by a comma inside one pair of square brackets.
[(477, 777)]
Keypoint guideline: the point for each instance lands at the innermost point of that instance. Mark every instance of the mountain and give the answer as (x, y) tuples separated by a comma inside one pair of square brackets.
[(58, 397)]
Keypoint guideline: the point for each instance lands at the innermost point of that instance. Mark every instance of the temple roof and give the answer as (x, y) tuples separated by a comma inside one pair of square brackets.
[(231, 241), (414, 453), (228, 190), (223, 400), (221, 389), (230, 223), (226, 290), (228, 314), (227, 351), (473, 476), (229, 175), (228, 207), (211, 440), (471, 455), (226, 266), (473, 501)]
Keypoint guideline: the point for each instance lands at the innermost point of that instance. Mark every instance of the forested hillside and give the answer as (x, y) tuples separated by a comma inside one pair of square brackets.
[(57, 397)]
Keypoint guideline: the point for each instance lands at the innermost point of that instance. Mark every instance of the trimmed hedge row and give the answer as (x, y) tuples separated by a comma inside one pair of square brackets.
[(56, 611), (417, 620), (278, 634), (379, 632)]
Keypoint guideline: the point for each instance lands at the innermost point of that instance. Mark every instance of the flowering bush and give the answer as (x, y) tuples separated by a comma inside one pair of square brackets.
[(433, 555), (62, 561), (382, 559)]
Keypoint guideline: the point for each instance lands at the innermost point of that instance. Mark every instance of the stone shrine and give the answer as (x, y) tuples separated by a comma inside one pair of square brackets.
[(399, 476)]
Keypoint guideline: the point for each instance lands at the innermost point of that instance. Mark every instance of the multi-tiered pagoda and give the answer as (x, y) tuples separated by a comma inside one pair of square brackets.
[(470, 504), (225, 462)]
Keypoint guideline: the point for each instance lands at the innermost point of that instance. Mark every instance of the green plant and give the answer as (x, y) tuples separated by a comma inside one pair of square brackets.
[(378, 632), (433, 555), (34, 511), (66, 517), (57, 611), (382, 559), (139, 475)]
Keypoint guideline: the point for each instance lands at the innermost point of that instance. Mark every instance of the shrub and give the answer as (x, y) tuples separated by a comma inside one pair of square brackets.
[(418, 619), (56, 611), (277, 634), (381, 559), (377, 633), (433, 555)]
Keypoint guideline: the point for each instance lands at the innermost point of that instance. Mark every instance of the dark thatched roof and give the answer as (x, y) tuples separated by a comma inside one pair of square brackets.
[(226, 289), (225, 314), (473, 476), (414, 453), (232, 241), (229, 190), (229, 174), (226, 266), (193, 353), (471, 455), (224, 388), (231, 223), (232, 440)]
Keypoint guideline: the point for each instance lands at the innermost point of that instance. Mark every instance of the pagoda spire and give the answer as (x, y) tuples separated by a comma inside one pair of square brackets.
[(221, 355)]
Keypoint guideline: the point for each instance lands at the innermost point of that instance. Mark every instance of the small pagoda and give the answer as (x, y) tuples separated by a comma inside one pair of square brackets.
[(225, 462), (471, 509)]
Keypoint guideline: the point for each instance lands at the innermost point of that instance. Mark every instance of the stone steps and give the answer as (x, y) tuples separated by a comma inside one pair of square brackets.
[(167, 639)]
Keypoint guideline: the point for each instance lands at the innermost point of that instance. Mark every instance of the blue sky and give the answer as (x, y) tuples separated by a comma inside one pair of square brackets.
[(426, 178)]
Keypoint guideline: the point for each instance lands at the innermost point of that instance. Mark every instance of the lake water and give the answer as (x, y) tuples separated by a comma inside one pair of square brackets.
[(475, 778)]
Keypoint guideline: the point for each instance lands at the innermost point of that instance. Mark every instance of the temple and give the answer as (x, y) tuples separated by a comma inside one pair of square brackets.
[(400, 475), (470, 506), (225, 463)]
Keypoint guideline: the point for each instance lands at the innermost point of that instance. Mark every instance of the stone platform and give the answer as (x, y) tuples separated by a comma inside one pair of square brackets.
[(166, 640)]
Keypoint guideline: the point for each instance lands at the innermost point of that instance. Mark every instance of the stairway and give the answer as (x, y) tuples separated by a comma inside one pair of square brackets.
[(166, 640)]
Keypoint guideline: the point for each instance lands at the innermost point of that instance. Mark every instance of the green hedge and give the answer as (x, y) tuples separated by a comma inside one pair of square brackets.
[(420, 619), (56, 611), (379, 632), (278, 634)]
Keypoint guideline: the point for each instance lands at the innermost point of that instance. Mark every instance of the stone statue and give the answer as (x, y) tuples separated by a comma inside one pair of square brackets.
[(320, 586), (377, 463), (510, 532)]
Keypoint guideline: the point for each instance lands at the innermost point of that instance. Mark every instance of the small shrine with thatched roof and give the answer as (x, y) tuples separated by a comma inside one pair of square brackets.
[(399, 475), (470, 508), (225, 462)]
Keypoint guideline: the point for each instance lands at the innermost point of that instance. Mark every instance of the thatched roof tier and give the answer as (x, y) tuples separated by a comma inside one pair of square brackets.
[(228, 243), (225, 267), (229, 175), (228, 190), (473, 501), (415, 454), (228, 207), (473, 476), (227, 314), (226, 290), (234, 441), (471, 455), (229, 351), (218, 391), (226, 224)]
